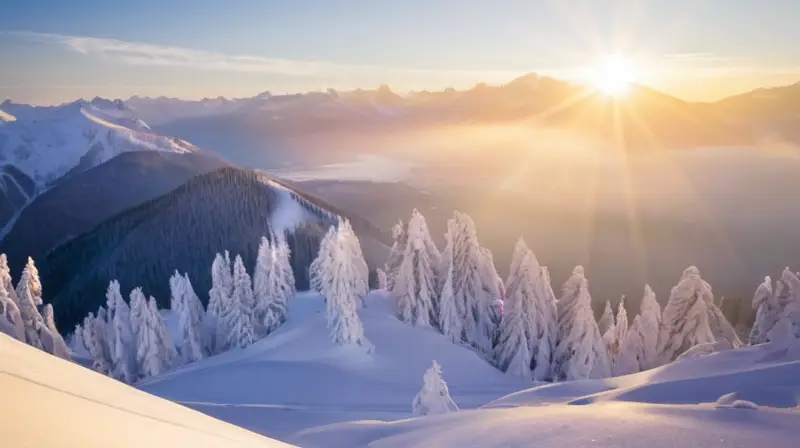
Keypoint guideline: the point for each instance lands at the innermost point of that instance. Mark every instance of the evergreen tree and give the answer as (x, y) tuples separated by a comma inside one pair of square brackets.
[(520, 252), (166, 347), (148, 352), (238, 310), (606, 320), (580, 352), (513, 354), (5, 279), (691, 318), (52, 342), (630, 357), (93, 335), (10, 318), (415, 285), (361, 270), (193, 340), (382, 282), (27, 296), (434, 398), (770, 305), (469, 277), (319, 272), (274, 286), (220, 293), (340, 277), (395, 254), (649, 328), (620, 327), (77, 344), (449, 315), (121, 344), (262, 290)]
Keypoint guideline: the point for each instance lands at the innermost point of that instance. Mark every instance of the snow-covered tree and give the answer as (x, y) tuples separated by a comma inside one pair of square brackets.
[(450, 320), (395, 254), (520, 252), (512, 353), (434, 398), (237, 314), (5, 279), (691, 318), (148, 352), (273, 286), (122, 346), (220, 293), (382, 282), (319, 272), (470, 275), (580, 352), (193, 342), (361, 279), (414, 290), (620, 327), (29, 295), (606, 320), (546, 317), (31, 276), (340, 284), (10, 318), (630, 357), (94, 333), (76, 343), (52, 342), (770, 304), (649, 328)]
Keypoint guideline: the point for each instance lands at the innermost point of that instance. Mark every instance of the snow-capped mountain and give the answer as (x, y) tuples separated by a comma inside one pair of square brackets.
[(47, 143)]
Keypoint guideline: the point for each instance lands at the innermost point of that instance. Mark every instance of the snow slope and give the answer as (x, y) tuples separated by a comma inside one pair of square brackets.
[(49, 402), (672, 406), (296, 378), (47, 142)]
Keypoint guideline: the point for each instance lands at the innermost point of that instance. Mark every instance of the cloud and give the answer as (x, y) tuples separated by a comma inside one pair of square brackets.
[(137, 53)]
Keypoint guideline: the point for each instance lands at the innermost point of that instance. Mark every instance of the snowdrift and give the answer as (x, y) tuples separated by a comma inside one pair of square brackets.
[(83, 408), (675, 405), (296, 378)]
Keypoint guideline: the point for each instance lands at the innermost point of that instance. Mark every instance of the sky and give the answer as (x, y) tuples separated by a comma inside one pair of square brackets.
[(54, 51)]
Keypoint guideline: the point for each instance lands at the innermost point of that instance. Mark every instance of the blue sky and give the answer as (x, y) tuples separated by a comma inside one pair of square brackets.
[(55, 51)]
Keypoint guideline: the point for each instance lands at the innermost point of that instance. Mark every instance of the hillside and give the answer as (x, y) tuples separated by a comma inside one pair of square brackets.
[(94, 410), (297, 378), (734, 398), (226, 209), (77, 204)]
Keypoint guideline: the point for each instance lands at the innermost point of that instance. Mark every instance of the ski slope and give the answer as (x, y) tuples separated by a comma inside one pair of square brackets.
[(49, 402), (296, 378), (738, 398)]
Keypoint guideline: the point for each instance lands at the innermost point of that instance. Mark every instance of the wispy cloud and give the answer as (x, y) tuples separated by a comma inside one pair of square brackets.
[(137, 53)]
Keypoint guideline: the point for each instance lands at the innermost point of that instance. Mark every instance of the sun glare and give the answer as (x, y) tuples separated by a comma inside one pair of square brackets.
[(613, 76)]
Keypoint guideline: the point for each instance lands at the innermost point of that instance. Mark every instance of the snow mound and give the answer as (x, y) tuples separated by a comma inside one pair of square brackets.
[(34, 383), (296, 378), (289, 214), (694, 402), (47, 142)]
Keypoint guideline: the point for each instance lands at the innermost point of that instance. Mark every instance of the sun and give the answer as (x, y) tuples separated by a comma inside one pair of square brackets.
[(613, 76)]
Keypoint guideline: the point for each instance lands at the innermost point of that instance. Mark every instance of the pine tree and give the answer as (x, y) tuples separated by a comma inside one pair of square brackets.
[(513, 354), (122, 346), (382, 282), (606, 320), (27, 296), (167, 352), (630, 357), (94, 333), (546, 323), (238, 310), (470, 290), (148, 352), (649, 329), (770, 305), (262, 290), (319, 272), (691, 318), (395, 254), (339, 273), (492, 305), (51, 339), (620, 327), (415, 284), (5, 279), (10, 318), (274, 286), (361, 270), (77, 344), (434, 398), (221, 290), (580, 352), (194, 342), (450, 322), (520, 252)]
